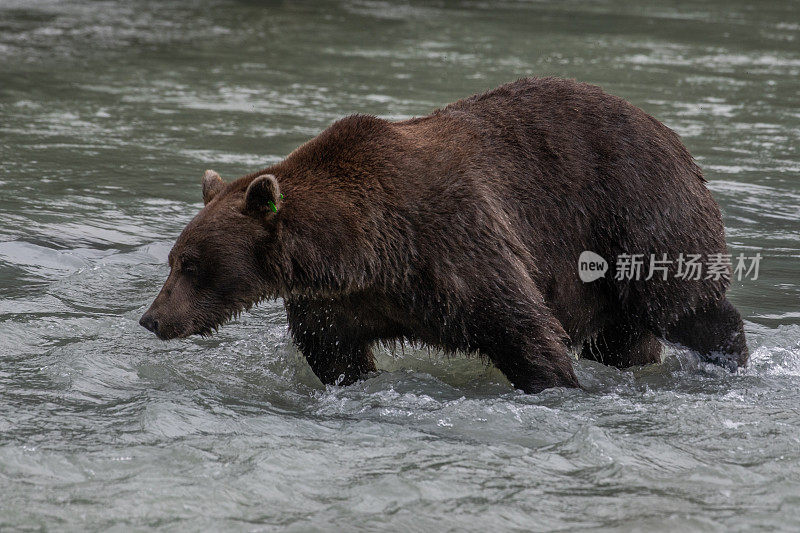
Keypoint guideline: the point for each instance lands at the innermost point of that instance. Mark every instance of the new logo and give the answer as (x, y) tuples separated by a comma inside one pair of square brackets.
[(591, 266)]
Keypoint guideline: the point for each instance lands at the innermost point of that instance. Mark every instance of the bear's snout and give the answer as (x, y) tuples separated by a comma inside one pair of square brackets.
[(163, 326), (149, 322)]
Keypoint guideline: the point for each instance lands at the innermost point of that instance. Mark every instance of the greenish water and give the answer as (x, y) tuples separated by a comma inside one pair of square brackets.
[(110, 112)]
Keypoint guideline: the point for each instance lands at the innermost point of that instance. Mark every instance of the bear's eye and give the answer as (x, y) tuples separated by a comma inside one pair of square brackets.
[(189, 268)]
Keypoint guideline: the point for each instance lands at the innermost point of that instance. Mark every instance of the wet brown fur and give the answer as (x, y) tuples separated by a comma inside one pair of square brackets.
[(462, 230)]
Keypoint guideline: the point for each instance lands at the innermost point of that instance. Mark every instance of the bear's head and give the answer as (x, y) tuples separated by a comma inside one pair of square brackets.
[(223, 262)]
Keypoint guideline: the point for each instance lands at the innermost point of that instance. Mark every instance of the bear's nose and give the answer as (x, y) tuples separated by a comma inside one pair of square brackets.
[(147, 321)]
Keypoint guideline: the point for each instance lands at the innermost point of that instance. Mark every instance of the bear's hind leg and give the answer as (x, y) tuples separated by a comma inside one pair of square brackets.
[(622, 348), (716, 332)]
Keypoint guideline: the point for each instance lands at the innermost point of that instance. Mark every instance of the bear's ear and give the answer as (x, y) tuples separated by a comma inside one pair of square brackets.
[(212, 184), (263, 195)]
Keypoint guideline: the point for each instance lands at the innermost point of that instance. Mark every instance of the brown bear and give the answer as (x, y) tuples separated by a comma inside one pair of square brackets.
[(462, 230)]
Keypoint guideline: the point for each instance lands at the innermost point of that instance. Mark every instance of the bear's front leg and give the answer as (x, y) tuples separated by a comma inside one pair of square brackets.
[(331, 344), (337, 364), (525, 342), (534, 366)]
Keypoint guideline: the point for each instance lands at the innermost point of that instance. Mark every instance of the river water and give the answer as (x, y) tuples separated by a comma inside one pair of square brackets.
[(110, 112)]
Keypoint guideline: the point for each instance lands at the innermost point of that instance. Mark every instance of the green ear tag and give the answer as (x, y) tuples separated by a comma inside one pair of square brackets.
[(272, 206)]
